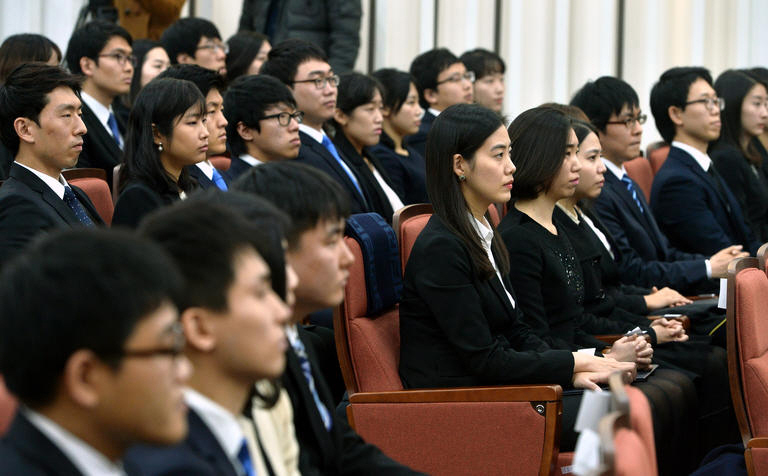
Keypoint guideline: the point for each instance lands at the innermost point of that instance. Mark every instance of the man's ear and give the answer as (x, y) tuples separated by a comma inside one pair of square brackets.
[(83, 377), (675, 115), (184, 58), (245, 132), (430, 95), (199, 328), (87, 65), (24, 128)]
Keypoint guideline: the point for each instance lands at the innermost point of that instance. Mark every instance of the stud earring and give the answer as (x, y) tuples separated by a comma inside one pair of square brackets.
[(160, 147), (462, 178)]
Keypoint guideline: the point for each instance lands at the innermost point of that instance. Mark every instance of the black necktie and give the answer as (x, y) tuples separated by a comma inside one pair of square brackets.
[(719, 185)]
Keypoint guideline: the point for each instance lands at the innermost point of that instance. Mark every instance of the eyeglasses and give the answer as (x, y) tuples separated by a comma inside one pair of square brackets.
[(630, 121), (320, 83), (712, 104), (215, 46), (455, 78), (175, 350), (284, 118), (121, 58)]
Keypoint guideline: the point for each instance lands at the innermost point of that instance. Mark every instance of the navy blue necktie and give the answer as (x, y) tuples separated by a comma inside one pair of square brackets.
[(244, 456), (633, 191), (219, 180), (332, 149), (112, 123), (72, 202), (306, 368)]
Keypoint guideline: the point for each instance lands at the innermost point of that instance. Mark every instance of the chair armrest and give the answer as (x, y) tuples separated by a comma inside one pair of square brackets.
[(609, 338), (756, 456), (684, 320), (507, 393), (699, 297)]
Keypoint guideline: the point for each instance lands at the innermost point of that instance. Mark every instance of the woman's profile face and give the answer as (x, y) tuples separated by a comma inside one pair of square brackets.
[(260, 58), (407, 119), (567, 178), (363, 124), (155, 62), (189, 143), (754, 111), (591, 179), (488, 176)]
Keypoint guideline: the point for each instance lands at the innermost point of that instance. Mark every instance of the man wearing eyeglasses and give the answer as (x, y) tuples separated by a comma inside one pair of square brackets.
[(196, 41), (442, 80), (263, 123), (692, 204), (101, 51), (94, 376), (642, 252)]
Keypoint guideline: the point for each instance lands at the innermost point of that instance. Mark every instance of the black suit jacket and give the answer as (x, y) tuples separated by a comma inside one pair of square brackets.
[(340, 451), (203, 182), (313, 153), (237, 167), (645, 256), (29, 207), (200, 454), (459, 330), (137, 200), (407, 173), (6, 159), (419, 140), (692, 212), (100, 150)]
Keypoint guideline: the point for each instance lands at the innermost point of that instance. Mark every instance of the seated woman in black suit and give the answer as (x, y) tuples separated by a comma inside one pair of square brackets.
[(166, 132), (358, 122), (402, 117), (735, 155), (460, 323)]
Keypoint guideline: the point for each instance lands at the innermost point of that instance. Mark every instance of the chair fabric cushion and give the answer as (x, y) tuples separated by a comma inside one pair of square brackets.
[(641, 420), (639, 170), (632, 457), (410, 230), (375, 352), (98, 191)]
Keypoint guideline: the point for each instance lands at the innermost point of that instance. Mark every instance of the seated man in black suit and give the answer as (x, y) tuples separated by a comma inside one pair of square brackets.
[(692, 204), (211, 84), (40, 123), (643, 255), (196, 41), (442, 81), (263, 123), (234, 326), (317, 252), (101, 51), (304, 68), (91, 345)]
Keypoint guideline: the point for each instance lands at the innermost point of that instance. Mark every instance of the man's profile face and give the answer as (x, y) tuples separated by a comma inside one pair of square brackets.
[(318, 104), (107, 72), (216, 123), (210, 54), (619, 142), (275, 141), (699, 121)]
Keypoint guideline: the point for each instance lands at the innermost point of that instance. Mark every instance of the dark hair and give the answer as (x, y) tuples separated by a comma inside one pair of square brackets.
[(394, 85), (483, 62), (46, 317), (733, 86), (672, 90), (25, 48), (461, 129), (25, 94), (306, 194), (244, 46), (582, 129), (246, 100), (205, 79), (88, 41), (286, 57), (605, 96), (161, 104), (140, 50), (355, 89), (426, 67), (574, 112), (759, 73), (538, 138), (184, 35)]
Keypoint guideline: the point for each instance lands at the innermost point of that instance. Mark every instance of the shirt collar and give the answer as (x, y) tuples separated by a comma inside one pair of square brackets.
[(101, 111), (312, 132), (56, 185), (219, 420), (85, 458), (619, 172), (434, 112), (485, 233), (251, 160), (701, 158), (206, 167)]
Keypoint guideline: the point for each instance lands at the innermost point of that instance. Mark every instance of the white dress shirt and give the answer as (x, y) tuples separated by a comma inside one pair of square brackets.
[(486, 238), (250, 160), (56, 185)]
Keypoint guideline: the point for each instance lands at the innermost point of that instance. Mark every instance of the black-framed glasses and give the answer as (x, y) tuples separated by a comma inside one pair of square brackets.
[(215, 46), (631, 121), (712, 104), (284, 118), (320, 83), (121, 58), (455, 78), (174, 350)]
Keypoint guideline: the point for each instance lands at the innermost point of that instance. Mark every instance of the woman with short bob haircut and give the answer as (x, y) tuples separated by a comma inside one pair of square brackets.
[(248, 50), (26, 48), (166, 132), (460, 324)]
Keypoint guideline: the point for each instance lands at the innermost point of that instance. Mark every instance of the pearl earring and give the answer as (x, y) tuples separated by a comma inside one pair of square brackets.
[(160, 147)]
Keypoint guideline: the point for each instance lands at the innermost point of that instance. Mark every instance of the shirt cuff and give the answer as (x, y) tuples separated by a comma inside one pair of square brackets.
[(709, 268)]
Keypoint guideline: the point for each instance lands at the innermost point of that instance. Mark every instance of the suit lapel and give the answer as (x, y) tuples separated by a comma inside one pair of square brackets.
[(99, 133), (46, 194), (317, 148), (29, 441), (617, 187), (204, 443)]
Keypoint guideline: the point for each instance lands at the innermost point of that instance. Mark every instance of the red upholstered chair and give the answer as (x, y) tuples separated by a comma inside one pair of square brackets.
[(94, 184), (8, 406), (221, 162), (639, 170), (623, 450), (657, 153), (495, 215), (756, 456), (408, 223), (762, 257), (437, 431)]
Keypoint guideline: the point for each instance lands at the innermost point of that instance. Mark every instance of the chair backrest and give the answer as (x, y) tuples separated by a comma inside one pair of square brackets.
[(639, 170), (657, 153), (98, 191), (8, 407), (220, 162), (748, 345), (408, 223), (85, 172)]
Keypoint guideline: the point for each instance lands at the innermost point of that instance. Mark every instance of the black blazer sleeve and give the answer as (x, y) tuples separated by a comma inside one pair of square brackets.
[(135, 201)]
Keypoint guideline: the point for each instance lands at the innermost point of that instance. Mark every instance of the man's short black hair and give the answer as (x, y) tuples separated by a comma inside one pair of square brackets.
[(285, 57), (246, 100), (184, 35), (205, 79), (483, 62), (426, 67), (76, 289), (672, 90), (25, 94), (605, 96), (88, 41), (306, 194)]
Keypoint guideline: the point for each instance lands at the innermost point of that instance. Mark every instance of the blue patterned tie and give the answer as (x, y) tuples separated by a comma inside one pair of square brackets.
[(219, 180), (244, 456), (72, 202), (301, 353), (112, 123), (632, 191), (332, 149)]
